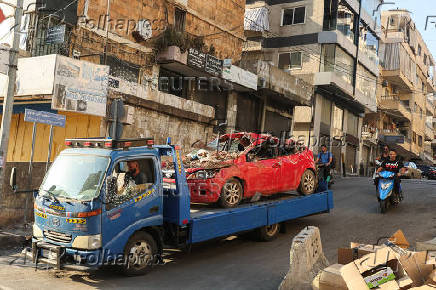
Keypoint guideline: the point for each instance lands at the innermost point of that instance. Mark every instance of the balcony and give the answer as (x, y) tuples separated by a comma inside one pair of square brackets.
[(279, 82), (398, 67), (429, 132), (395, 107), (429, 105), (370, 135)]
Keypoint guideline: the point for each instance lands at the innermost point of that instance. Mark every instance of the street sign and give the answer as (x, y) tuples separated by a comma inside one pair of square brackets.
[(44, 118), (55, 34)]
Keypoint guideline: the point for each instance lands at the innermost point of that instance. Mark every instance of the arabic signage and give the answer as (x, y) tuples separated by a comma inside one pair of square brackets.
[(80, 86), (196, 59), (55, 34), (205, 62), (44, 118), (392, 139), (214, 66)]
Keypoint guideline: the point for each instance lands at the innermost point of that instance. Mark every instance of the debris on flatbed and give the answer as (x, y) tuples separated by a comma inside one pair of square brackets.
[(210, 160), (389, 266)]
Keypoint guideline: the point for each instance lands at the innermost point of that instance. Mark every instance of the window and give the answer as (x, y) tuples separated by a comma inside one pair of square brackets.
[(419, 50), (133, 178), (414, 137), (420, 141), (293, 16), (292, 60), (425, 59), (179, 19)]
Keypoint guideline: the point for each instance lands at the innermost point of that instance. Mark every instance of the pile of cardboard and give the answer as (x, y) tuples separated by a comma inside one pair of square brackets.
[(389, 266)]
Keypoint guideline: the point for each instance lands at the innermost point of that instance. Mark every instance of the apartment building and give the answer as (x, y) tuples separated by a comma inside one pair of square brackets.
[(333, 45), (406, 88)]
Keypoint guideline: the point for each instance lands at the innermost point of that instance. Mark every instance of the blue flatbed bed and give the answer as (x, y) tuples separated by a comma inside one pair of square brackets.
[(208, 223)]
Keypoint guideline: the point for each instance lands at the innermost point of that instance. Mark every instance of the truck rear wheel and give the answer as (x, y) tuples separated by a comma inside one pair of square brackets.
[(307, 183), (140, 254), (268, 233), (231, 193)]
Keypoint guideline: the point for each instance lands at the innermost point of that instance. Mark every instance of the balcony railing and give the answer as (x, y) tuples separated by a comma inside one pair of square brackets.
[(392, 103)]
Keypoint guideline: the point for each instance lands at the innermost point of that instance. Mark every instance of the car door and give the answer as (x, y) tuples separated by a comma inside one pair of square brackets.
[(269, 172), (137, 204), (289, 174)]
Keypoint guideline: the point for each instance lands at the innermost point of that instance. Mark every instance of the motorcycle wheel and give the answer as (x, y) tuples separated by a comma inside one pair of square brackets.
[(383, 206)]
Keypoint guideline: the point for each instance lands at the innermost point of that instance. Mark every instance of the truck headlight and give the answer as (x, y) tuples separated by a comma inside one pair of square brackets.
[(37, 232), (87, 242)]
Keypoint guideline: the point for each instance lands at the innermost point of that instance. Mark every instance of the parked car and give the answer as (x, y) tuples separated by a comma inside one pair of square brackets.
[(412, 171), (432, 173), (260, 169), (425, 169)]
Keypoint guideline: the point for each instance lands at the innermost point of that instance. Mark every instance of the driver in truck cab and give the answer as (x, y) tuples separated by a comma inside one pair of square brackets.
[(135, 173)]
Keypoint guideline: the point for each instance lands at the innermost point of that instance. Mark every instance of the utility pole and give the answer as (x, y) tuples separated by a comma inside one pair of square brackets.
[(8, 102)]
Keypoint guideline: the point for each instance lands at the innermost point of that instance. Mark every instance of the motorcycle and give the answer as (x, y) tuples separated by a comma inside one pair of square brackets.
[(329, 180), (385, 191)]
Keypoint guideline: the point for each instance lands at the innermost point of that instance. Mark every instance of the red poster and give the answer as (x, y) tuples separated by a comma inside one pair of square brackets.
[(2, 16)]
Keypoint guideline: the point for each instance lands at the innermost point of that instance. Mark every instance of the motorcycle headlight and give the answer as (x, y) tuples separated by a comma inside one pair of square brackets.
[(385, 186), (87, 242)]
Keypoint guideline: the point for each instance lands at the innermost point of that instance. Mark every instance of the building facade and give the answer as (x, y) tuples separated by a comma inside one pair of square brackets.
[(406, 88), (333, 45)]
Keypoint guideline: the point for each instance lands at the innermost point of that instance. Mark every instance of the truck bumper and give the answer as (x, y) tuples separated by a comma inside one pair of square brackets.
[(63, 258)]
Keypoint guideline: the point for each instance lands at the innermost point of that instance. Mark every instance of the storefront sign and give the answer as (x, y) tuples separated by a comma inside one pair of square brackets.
[(214, 66), (44, 118), (80, 86), (392, 139), (196, 59), (240, 76), (55, 34)]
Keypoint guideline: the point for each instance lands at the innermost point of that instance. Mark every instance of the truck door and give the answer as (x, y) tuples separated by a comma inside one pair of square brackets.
[(138, 199)]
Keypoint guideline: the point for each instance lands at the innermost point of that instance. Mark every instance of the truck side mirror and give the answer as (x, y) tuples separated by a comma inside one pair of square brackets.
[(13, 179), (111, 188)]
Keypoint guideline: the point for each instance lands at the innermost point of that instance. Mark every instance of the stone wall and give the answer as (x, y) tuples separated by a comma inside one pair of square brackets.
[(13, 205)]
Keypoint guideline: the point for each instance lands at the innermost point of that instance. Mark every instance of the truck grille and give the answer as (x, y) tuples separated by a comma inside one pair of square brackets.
[(57, 237)]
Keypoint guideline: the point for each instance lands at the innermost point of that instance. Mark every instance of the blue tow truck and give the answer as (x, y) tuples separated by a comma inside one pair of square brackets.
[(89, 212)]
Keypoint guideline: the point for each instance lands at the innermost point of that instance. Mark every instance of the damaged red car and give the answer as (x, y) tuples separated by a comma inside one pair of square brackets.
[(246, 166)]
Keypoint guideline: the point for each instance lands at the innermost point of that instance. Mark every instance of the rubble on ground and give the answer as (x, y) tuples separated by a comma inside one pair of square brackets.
[(392, 265)]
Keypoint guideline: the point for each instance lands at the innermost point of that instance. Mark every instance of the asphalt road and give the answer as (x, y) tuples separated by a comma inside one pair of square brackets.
[(237, 263)]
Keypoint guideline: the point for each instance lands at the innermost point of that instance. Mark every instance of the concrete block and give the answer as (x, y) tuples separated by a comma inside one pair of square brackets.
[(306, 260)]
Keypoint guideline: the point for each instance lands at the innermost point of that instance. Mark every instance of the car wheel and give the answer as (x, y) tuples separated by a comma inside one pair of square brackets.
[(140, 254), (231, 194), (307, 183), (268, 233)]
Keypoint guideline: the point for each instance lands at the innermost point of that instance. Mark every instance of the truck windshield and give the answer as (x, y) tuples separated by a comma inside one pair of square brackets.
[(75, 177)]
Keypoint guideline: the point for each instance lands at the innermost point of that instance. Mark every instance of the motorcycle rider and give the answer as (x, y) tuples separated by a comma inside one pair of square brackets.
[(379, 161), (394, 164), (325, 158)]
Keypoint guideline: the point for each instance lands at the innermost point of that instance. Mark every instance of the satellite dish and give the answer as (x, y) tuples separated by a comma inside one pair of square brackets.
[(145, 29)]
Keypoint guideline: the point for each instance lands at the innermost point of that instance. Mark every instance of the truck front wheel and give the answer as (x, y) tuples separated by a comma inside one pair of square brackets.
[(140, 254)]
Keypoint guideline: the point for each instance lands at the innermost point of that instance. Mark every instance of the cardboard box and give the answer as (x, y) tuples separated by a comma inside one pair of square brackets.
[(399, 239), (330, 279), (381, 277), (416, 268), (352, 272)]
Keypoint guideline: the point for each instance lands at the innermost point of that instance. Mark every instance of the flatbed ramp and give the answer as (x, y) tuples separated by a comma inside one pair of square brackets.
[(209, 223)]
